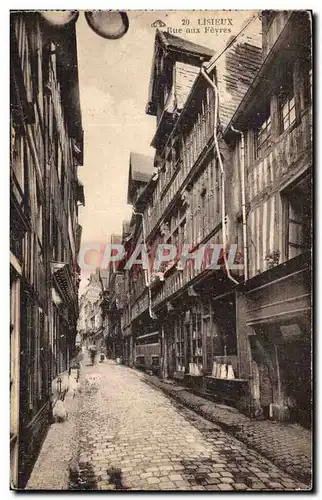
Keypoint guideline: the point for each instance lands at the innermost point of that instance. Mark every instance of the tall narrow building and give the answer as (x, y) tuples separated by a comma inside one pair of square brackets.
[(46, 151)]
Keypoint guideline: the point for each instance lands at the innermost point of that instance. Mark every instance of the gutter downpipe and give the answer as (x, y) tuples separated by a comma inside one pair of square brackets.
[(243, 195), (146, 271), (222, 171)]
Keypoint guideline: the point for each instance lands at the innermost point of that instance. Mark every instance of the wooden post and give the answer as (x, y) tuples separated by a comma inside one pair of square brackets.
[(278, 374), (242, 331), (164, 353), (297, 85), (275, 116)]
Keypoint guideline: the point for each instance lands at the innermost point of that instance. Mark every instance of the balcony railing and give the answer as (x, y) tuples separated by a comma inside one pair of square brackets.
[(291, 147), (141, 305), (178, 279), (179, 170)]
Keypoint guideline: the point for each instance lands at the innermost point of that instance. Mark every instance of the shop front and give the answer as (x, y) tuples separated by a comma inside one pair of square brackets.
[(201, 344), (146, 343), (278, 323)]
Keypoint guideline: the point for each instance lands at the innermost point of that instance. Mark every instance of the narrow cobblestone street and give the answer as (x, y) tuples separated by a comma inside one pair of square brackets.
[(131, 436)]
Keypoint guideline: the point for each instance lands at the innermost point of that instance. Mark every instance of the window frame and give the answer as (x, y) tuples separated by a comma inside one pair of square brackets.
[(290, 194), (287, 99), (263, 130)]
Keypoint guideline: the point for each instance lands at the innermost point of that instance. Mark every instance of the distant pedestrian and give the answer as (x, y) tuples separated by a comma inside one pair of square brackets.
[(92, 353), (102, 357)]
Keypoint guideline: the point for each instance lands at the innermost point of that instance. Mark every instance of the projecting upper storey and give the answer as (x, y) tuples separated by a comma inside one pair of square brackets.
[(175, 75), (140, 172), (51, 54), (176, 63)]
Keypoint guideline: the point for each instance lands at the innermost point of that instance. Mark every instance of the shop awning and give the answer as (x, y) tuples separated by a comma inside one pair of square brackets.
[(63, 282)]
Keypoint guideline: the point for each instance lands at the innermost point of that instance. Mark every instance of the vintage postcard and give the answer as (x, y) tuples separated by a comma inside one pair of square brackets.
[(160, 250)]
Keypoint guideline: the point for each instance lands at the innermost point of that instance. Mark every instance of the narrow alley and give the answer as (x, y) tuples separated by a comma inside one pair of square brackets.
[(132, 437), (161, 221)]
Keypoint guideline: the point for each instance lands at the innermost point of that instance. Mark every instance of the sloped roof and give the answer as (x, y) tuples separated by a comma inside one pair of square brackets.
[(116, 239), (141, 170), (176, 43), (236, 68), (125, 228), (104, 273), (141, 167), (236, 71), (182, 50)]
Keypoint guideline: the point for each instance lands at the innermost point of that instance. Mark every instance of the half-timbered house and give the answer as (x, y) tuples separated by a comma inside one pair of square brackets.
[(195, 202), (46, 149), (274, 151)]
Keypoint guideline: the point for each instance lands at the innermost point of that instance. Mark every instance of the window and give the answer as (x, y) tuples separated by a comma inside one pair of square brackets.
[(183, 232), (175, 238), (196, 339), (287, 112), (179, 340), (204, 218), (298, 211), (287, 101), (263, 130), (18, 158), (307, 84), (177, 153)]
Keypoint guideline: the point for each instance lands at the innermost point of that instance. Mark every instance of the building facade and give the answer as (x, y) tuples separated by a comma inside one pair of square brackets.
[(115, 286), (274, 303), (92, 311), (46, 150), (141, 343), (232, 170)]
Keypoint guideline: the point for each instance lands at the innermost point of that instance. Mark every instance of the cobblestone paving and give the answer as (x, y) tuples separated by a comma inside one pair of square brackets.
[(131, 436), (287, 445)]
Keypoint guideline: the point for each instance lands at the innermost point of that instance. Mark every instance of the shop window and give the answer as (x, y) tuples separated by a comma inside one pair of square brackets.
[(263, 130), (207, 333), (196, 339), (180, 344), (298, 218)]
